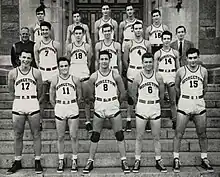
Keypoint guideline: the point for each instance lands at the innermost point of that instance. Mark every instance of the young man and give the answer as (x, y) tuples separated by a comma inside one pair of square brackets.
[(24, 84), (181, 44), (107, 87), (35, 30), (126, 31), (191, 86), (98, 35), (114, 48), (79, 54), (153, 32), (65, 94), (134, 49), (148, 94), (70, 37), (167, 62)]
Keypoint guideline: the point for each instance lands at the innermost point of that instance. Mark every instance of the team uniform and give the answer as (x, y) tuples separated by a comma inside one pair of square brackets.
[(66, 104), (73, 39), (79, 67), (148, 106), (106, 97), (25, 102), (48, 60), (112, 50), (37, 33), (167, 66), (136, 51), (101, 23), (191, 97)]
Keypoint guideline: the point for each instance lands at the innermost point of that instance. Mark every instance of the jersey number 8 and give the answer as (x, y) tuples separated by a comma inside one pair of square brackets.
[(105, 87)]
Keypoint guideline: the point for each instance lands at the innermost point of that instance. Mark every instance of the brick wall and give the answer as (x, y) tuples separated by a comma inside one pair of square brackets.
[(208, 42), (9, 25)]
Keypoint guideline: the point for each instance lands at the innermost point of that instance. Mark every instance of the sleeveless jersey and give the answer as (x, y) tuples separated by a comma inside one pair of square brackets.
[(136, 51), (167, 60), (105, 86), (65, 89), (78, 54), (128, 32), (37, 33), (73, 39), (101, 23), (155, 34), (111, 49), (192, 82), (148, 88), (47, 54), (25, 84)]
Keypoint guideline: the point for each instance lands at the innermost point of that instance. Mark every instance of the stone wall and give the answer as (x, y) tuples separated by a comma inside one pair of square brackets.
[(9, 25)]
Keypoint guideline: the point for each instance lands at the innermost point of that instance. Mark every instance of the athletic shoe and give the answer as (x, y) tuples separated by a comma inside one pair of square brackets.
[(15, 167), (206, 165), (38, 167), (160, 166), (60, 168), (128, 126), (89, 167), (176, 165), (89, 126), (124, 166), (74, 168), (136, 167), (148, 127), (174, 125)]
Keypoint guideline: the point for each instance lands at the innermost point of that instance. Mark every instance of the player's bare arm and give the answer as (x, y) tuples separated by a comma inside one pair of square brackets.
[(52, 33), (36, 53), (205, 79), (58, 48), (147, 32), (118, 48), (121, 87), (11, 80), (115, 25), (156, 60), (68, 51), (88, 38), (176, 53), (97, 49), (148, 45), (89, 54), (91, 85), (96, 31), (165, 27), (179, 74), (78, 89), (38, 77), (68, 35), (32, 33), (53, 90), (121, 29), (134, 88), (161, 88), (126, 54)]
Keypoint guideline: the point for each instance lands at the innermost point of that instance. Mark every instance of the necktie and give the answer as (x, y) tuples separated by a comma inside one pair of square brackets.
[(181, 48)]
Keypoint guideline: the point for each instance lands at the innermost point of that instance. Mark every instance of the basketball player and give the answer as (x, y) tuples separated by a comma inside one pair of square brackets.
[(98, 35), (148, 94), (79, 54), (105, 84), (191, 86), (134, 49), (70, 38), (65, 93), (167, 62), (24, 84), (153, 32), (114, 48), (126, 31), (35, 30)]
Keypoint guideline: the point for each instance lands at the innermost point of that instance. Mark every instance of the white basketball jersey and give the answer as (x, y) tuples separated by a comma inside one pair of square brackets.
[(105, 86), (25, 84), (136, 51), (47, 54), (148, 88), (101, 23), (167, 60), (65, 89), (111, 49), (37, 33), (78, 54), (192, 82), (73, 39), (128, 31), (155, 34)]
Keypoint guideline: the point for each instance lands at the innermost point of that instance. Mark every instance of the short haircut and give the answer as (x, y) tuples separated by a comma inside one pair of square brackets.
[(27, 51), (105, 52), (105, 5), (147, 55), (62, 59), (178, 27), (79, 28), (129, 5), (166, 33), (76, 12), (44, 23), (25, 27), (137, 23), (106, 25), (41, 8), (192, 50), (155, 11)]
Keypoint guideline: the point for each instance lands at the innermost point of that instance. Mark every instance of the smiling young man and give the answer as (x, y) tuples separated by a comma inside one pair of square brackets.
[(191, 87)]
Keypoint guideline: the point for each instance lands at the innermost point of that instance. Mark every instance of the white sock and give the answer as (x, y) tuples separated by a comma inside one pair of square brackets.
[(74, 157), (157, 157), (37, 157), (128, 119), (137, 157), (61, 156), (176, 155), (18, 158), (203, 155), (123, 158)]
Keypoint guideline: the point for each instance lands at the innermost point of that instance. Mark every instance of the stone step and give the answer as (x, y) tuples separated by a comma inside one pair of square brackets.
[(111, 159), (48, 123), (106, 134), (109, 146), (116, 172)]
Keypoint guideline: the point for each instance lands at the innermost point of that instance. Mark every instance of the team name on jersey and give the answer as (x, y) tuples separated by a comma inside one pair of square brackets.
[(148, 84), (48, 48), (192, 77), (105, 82), (65, 85), (137, 47), (79, 50), (25, 80), (166, 56)]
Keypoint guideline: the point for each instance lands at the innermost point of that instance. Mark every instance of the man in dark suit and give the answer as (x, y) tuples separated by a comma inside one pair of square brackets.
[(181, 44)]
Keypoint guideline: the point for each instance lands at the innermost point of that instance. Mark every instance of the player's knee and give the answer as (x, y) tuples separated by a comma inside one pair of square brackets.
[(18, 135), (139, 136), (130, 100), (36, 134), (61, 137), (179, 134), (156, 137), (119, 135), (172, 102), (95, 137), (73, 137), (202, 135)]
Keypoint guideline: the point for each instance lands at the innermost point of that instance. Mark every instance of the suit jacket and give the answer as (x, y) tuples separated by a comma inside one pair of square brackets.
[(186, 45)]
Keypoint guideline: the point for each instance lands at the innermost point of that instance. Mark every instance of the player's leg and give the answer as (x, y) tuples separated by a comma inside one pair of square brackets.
[(130, 105)]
